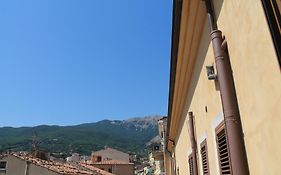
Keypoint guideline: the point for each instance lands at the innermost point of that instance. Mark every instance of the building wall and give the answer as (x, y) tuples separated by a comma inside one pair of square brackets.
[(118, 169), (167, 164), (16, 166), (37, 170), (113, 154), (159, 166), (257, 80)]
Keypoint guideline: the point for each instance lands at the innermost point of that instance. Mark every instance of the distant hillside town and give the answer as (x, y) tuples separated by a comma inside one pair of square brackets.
[(37, 157), (126, 135), (104, 162)]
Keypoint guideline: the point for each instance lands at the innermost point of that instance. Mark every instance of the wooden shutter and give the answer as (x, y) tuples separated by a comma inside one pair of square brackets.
[(204, 156), (3, 166), (223, 152), (190, 163)]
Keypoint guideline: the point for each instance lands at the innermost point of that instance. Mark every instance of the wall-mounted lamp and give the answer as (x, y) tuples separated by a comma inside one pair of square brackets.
[(211, 73)]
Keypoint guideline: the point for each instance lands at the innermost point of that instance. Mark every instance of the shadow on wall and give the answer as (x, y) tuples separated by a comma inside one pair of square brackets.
[(217, 6), (205, 42)]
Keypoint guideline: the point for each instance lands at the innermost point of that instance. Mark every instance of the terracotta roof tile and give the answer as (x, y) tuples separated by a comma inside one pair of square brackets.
[(58, 167), (2, 155), (91, 167)]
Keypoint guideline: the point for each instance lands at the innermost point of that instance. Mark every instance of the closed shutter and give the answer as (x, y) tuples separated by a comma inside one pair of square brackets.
[(204, 156), (223, 152), (3, 166), (190, 162)]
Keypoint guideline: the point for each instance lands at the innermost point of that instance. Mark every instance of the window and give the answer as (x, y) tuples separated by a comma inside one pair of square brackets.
[(97, 158), (272, 10), (3, 166), (204, 156), (190, 163), (156, 148), (223, 152)]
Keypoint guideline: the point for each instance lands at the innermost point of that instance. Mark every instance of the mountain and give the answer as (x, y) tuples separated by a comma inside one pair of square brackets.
[(128, 135)]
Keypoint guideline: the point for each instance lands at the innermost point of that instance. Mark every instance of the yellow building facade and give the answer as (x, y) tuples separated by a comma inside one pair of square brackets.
[(253, 53)]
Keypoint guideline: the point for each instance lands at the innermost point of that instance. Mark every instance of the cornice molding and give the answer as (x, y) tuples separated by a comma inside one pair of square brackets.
[(192, 23)]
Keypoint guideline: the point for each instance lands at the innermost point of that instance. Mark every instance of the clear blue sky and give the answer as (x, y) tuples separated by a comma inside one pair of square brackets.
[(74, 61)]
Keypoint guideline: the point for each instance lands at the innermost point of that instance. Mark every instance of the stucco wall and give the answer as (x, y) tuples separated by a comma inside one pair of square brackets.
[(118, 169), (258, 83), (257, 79), (167, 164), (202, 94), (37, 170), (113, 154), (16, 166)]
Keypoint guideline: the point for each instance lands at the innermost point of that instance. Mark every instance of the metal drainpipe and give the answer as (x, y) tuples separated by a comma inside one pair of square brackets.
[(26, 172), (193, 143), (235, 137), (164, 152), (170, 162)]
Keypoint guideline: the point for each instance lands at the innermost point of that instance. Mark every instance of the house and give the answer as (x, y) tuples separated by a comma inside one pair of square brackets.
[(90, 167), (75, 157), (113, 161), (117, 167), (157, 154), (23, 163), (109, 154), (224, 113)]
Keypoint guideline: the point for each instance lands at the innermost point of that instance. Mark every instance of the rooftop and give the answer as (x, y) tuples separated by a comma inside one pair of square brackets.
[(95, 169), (58, 167), (107, 149)]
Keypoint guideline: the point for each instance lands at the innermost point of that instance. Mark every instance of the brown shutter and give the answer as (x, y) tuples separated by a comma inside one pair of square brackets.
[(204, 156), (3, 166), (190, 162), (223, 152)]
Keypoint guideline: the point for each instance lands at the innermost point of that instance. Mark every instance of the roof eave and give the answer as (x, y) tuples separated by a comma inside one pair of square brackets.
[(177, 10)]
